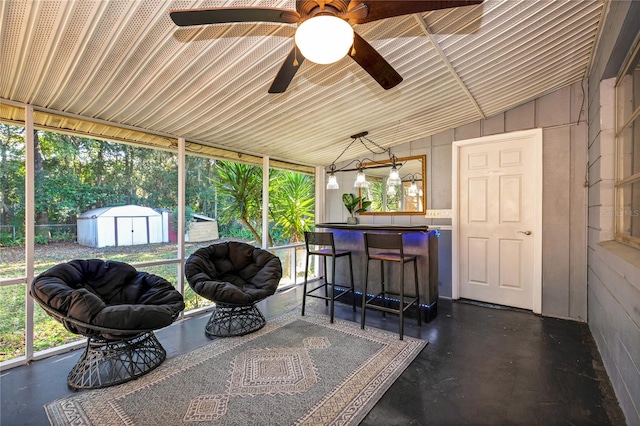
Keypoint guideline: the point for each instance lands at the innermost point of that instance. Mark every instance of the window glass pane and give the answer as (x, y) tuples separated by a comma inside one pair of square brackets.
[(291, 213), (629, 150), (238, 189), (12, 315), (628, 92), (628, 212), (49, 332), (12, 169), (224, 202), (98, 199), (202, 203), (104, 200)]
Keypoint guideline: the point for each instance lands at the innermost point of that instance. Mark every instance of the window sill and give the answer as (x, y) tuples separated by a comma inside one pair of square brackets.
[(622, 252)]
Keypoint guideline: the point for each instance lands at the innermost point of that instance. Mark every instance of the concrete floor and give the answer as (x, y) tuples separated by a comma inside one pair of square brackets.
[(484, 365)]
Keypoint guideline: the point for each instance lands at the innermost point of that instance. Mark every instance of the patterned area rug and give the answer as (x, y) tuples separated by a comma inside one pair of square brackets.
[(295, 371)]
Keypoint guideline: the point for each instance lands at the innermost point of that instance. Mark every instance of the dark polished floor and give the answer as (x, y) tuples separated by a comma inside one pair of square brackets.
[(483, 366)]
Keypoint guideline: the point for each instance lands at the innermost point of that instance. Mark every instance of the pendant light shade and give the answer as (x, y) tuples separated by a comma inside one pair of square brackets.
[(394, 177), (324, 39), (413, 188), (361, 180), (332, 183)]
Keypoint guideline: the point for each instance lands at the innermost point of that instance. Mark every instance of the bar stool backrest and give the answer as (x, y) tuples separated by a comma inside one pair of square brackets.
[(319, 240), (383, 241)]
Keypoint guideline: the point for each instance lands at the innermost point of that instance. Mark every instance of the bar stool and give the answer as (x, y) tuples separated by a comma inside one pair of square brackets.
[(389, 242), (321, 244)]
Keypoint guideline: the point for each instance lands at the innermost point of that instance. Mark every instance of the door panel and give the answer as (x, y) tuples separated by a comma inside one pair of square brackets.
[(478, 260), (139, 230), (123, 226), (496, 201), (510, 255), (477, 201)]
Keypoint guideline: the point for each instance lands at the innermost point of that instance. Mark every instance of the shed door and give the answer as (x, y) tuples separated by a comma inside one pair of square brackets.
[(131, 231)]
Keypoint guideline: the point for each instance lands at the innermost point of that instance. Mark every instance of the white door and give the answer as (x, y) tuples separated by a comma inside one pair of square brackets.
[(498, 223), (139, 234), (131, 230), (123, 231)]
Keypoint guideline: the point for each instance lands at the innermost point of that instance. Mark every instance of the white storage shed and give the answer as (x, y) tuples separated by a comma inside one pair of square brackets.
[(120, 226)]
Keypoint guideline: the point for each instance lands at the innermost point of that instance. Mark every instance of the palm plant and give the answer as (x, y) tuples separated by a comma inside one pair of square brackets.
[(292, 203), (240, 186)]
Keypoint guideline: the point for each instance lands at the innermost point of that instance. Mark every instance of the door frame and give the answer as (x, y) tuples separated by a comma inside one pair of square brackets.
[(535, 136)]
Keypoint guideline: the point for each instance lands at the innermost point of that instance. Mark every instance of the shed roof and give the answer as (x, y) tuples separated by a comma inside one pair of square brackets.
[(119, 211)]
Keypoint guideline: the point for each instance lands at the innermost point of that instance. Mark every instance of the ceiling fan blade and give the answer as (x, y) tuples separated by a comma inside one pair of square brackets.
[(287, 71), (188, 17), (380, 9), (373, 63)]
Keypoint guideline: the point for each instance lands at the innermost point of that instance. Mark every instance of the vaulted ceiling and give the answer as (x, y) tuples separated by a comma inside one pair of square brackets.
[(124, 67)]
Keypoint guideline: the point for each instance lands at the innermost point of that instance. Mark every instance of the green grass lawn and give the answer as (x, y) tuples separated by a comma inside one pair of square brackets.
[(47, 331)]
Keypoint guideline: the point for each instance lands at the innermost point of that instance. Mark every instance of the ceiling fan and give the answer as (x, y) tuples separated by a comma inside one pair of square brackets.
[(338, 35)]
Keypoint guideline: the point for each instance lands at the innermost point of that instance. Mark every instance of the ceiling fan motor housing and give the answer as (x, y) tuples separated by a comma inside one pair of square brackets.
[(310, 8)]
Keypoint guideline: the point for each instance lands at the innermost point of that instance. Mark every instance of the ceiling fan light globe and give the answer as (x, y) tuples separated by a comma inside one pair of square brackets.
[(324, 39)]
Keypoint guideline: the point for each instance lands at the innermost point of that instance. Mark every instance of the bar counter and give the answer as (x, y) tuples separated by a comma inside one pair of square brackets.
[(418, 240)]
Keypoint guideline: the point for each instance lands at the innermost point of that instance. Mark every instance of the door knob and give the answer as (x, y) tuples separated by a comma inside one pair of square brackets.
[(525, 232)]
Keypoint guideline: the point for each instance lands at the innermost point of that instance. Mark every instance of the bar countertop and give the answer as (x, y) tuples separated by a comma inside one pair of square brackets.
[(374, 227)]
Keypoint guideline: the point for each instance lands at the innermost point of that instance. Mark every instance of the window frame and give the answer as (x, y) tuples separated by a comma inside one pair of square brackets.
[(625, 180)]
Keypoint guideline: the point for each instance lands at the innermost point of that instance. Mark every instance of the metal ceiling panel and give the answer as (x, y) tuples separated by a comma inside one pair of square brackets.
[(125, 62)]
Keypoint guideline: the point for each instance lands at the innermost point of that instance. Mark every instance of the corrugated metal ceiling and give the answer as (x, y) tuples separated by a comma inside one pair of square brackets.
[(125, 62)]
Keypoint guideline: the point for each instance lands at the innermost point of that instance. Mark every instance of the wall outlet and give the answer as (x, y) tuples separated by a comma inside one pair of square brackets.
[(439, 214)]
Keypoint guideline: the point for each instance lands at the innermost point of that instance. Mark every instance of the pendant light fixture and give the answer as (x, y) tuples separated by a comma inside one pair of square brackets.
[(394, 177), (413, 188), (332, 182), (361, 179)]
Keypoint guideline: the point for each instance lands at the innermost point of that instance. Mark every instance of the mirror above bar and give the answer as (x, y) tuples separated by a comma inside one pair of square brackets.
[(406, 198)]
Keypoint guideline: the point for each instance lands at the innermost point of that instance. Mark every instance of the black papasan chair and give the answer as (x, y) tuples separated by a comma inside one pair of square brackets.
[(235, 276), (117, 308)]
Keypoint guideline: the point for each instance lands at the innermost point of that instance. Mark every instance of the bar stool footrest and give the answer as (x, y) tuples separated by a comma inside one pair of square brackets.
[(408, 303), (318, 296)]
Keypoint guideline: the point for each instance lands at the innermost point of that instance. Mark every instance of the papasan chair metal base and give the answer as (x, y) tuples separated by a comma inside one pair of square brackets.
[(232, 320), (107, 363)]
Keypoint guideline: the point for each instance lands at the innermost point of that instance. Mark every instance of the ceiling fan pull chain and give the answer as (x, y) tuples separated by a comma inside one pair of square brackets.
[(295, 56)]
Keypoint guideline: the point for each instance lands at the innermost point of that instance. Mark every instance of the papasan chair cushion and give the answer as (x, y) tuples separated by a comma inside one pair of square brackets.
[(233, 272), (235, 275), (108, 294), (117, 308)]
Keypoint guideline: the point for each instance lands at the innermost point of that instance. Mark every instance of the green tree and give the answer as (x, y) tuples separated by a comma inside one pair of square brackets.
[(239, 189), (200, 193), (292, 203), (12, 175)]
